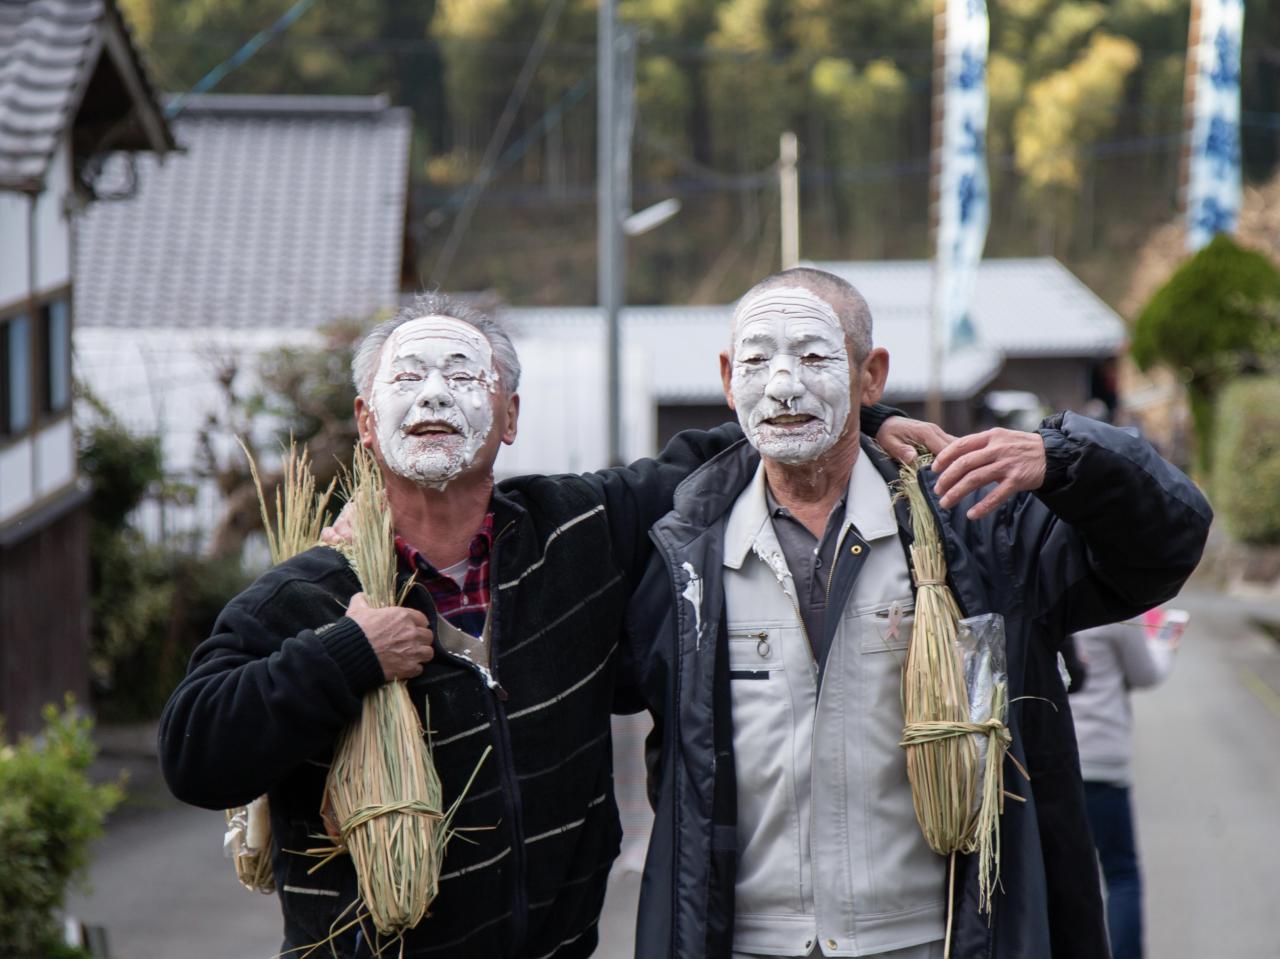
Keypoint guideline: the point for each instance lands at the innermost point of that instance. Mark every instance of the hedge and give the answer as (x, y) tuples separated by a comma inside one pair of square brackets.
[(1246, 467)]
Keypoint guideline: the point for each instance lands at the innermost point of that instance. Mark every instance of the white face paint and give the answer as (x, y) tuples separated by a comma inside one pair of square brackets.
[(790, 374), (431, 399)]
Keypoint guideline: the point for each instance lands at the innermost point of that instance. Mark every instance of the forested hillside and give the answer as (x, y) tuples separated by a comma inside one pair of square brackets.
[(1083, 139)]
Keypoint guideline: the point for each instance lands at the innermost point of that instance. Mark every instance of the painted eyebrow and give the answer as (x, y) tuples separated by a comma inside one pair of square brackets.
[(451, 357), (803, 340)]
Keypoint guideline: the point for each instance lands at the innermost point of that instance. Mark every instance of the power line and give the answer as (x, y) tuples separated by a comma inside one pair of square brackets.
[(215, 75), (706, 181), (521, 146), (673, 47), (495, 142)]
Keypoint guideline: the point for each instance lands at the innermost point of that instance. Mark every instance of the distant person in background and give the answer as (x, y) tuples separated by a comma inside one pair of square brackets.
[(1117, 658)]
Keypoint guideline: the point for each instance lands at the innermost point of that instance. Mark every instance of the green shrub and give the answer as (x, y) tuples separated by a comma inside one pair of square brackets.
[(151, 603), (1206, 322), (1246, 467), (49, 812)]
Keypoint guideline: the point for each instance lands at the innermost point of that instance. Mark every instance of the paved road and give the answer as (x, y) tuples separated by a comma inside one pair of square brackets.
[(1207, 790)]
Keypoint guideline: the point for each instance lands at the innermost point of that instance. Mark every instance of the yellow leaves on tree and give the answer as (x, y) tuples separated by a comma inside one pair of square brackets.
[(742, 27), (865, 111), (872, 97), (748, 95), (1070, 108), (471, 19)]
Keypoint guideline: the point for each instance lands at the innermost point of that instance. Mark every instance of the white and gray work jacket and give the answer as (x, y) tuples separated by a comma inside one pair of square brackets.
[(828, 844)]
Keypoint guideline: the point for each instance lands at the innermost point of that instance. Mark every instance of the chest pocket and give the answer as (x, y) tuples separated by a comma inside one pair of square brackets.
[(754, 654), (877, 634)]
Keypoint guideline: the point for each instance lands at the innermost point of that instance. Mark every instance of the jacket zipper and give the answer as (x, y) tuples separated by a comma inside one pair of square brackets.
[(510, 783), (831, 574), (507, 771)]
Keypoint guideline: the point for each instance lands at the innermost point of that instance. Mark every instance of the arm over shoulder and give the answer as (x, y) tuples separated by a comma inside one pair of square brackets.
[(637, 496)]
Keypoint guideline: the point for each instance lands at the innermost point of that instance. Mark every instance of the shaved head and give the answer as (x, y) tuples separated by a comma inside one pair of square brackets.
[(845, 300)]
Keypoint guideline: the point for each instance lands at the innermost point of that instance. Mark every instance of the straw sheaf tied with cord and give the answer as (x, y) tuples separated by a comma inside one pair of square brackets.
[(958, 798), (383, 794)]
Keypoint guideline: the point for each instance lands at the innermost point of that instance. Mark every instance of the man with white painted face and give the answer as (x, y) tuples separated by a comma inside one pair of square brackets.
[(767, 638), (511, 635)]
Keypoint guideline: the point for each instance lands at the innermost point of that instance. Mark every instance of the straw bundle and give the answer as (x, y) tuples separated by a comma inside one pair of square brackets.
[(300, 513), (943, 769), (300, 516), (382, 789), (955, 765)]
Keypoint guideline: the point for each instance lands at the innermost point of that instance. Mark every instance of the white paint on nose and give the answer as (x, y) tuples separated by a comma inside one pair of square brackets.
[(435, 391), (784, 379)]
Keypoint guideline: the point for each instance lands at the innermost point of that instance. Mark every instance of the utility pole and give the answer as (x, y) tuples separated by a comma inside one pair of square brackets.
[(615, 119), (789, 188)]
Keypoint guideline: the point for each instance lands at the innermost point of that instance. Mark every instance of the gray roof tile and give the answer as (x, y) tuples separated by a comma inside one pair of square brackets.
[(44, 48), (283, 212), (1033, 307)]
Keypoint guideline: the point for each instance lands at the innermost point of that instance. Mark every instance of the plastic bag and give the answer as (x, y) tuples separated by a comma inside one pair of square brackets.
[(248, 842), (982, 647)]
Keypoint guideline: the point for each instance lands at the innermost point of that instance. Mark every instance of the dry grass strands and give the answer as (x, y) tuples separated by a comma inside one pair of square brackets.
[(958, 796), (943, 769), (300, 516), (382, 789), (300, 513)]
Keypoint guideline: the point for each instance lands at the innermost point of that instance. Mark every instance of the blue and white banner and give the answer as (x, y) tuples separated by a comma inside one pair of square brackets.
[(964, 197), (1213, 172)]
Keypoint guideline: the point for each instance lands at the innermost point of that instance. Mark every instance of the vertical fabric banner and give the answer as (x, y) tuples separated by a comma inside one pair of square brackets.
[(1213, 171), (964, 197)]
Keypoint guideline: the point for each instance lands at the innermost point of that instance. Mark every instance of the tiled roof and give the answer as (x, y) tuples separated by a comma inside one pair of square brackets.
[(682, 343), (1022, 307), (283, 211), (45, 46), (48, 51)]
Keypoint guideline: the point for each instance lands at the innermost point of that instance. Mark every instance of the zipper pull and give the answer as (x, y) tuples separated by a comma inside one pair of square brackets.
[(499, 691)]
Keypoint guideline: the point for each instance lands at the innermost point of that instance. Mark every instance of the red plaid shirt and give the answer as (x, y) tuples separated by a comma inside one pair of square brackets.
[(467, 607)]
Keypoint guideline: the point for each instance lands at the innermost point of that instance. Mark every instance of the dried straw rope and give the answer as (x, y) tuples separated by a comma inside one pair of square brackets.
[(382, 789), (942, 751), (300, 516)]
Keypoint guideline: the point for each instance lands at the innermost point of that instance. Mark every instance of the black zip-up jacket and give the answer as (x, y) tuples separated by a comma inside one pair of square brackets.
[(284, 671), (1113, 531)]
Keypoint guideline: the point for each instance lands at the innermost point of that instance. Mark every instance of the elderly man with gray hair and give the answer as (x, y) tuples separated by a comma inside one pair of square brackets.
[(768, 634), (513, 637)]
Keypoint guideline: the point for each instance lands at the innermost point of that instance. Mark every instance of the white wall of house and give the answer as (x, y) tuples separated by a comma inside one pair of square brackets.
[(37, 460), (53, 225), (15, 263)]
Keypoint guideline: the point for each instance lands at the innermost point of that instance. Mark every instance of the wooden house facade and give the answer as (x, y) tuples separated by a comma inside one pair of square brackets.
[(72, 89)]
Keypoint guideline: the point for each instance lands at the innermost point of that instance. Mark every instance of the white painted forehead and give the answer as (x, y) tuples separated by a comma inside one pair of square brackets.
[(788, 301), (411, 336)]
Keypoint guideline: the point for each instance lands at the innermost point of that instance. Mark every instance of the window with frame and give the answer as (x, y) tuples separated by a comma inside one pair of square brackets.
[(15, 374), (57, 356)]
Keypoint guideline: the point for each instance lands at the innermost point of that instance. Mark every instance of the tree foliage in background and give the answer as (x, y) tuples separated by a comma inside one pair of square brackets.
[(49, 813), (1214, 318), (717, 82), (1246, 462), (150, 603)]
